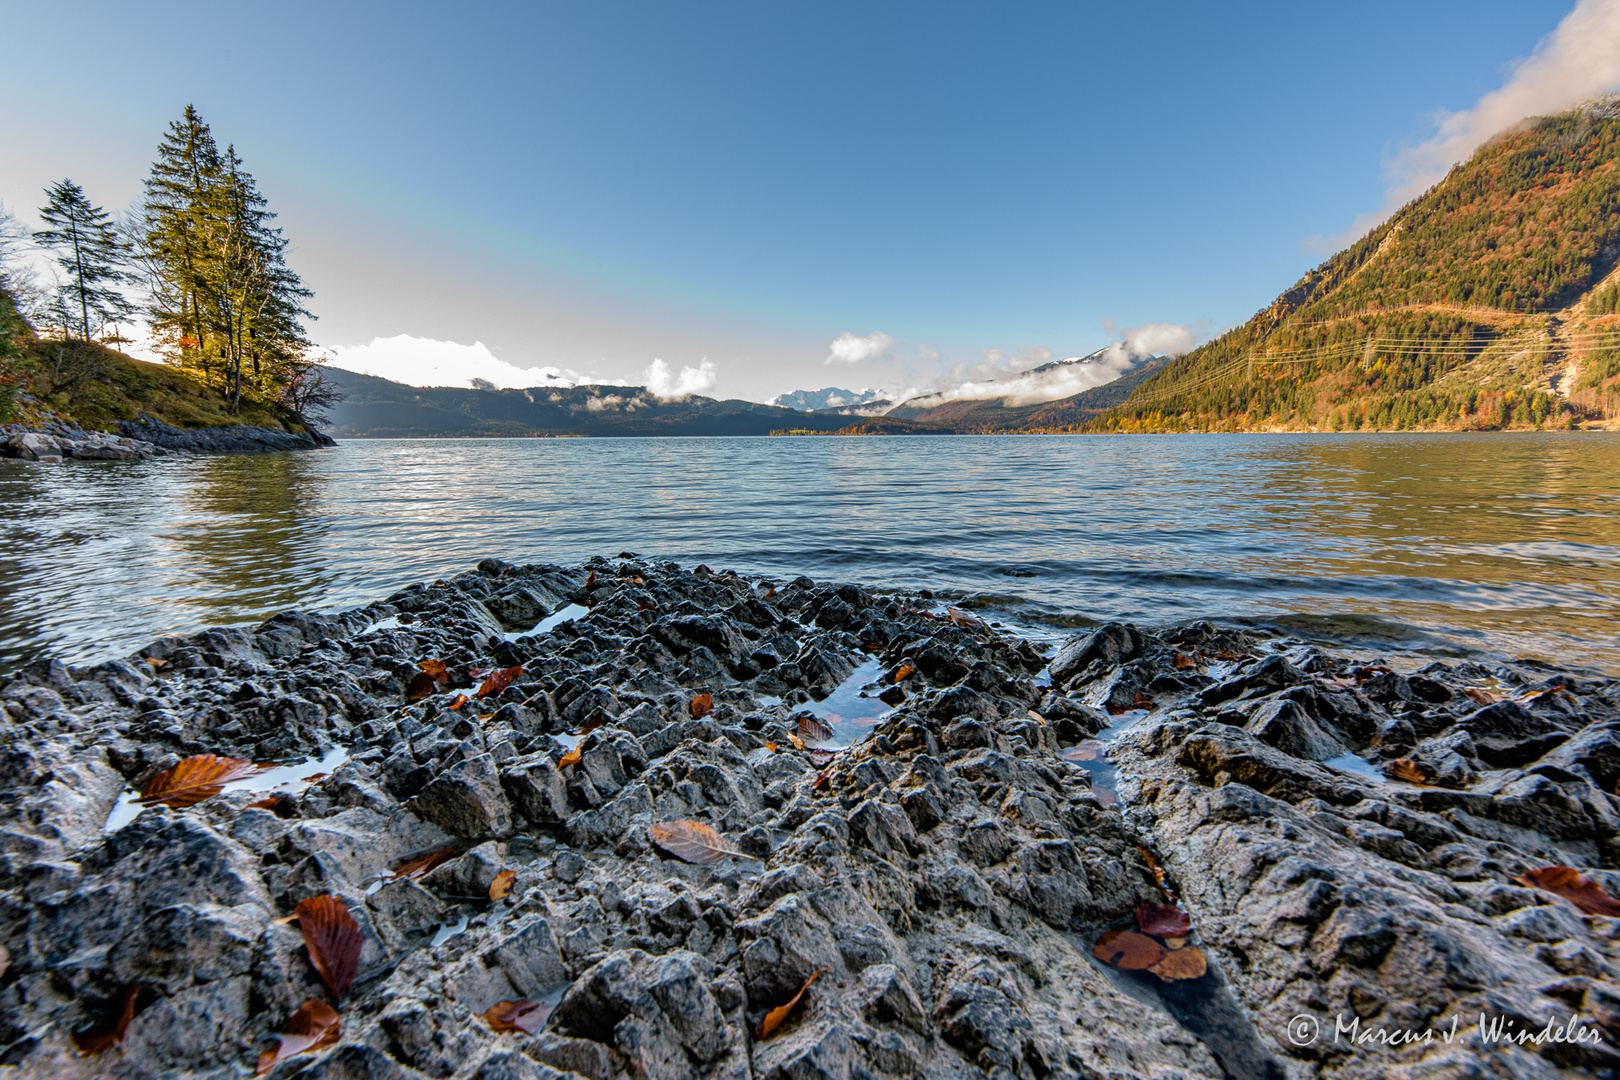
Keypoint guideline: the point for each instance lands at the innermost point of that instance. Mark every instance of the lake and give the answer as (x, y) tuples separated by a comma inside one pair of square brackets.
[(1503, 543)]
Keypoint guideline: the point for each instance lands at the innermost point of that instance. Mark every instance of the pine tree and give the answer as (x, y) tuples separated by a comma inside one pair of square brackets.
[(91, 256)]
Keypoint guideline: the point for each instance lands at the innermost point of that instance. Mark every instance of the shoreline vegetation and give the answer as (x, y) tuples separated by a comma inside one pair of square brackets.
[(1491, 302), (625, 818)]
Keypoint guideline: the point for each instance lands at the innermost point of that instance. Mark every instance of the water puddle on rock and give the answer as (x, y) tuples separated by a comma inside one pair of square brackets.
[(1360, 766), (291, 779), (567, 613), (1207, 1008), (848, 710), (1092, 755), (448, 930)]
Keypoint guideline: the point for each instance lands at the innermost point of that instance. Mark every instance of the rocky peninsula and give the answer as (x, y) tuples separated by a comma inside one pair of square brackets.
[(625, 819)]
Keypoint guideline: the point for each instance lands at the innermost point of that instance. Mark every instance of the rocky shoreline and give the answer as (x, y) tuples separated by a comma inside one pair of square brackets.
[(947, 834), (145, 438)]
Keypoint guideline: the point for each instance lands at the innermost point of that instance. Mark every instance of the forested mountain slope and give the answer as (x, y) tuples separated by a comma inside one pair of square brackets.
[(1493, 300)]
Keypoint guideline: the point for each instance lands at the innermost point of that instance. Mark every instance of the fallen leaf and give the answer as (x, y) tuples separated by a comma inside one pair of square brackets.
[(1573, 886), (813, 730), (1174, 942), (524, 1016), (1413, 772), (963, 619), (1141, 701), (332, 938), (1088, 750), (110, 1032), (1162, 920), (1128, 950), (285, 920), (432, 675), (819, 757), (572, 757), (421, 864), (1106, 796), (502, 885), (1183, 661), (156, 662), (798, 743), (499, 680), (312, 777), (771, 591), (590, 581), (823, 781), (692, 841), (775, 1018), (1158, 873), (1037, 717), (771, 747), (193, 779), (592, 722), (903, 672), (644, 606), (312, 1027), (1115, 710), (1479, 695), (1177, 964), (458, 701), (278, 804), (701, 706)]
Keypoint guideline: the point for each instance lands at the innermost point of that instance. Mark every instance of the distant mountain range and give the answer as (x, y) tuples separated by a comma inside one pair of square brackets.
[(834, 399)]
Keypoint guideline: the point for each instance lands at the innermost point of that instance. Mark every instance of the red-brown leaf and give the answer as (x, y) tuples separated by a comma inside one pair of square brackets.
[(499, 680), (1573, 886), (702, 706), (333, 940), (1141, 701), (820, 758), (1413, 772), (278, 804), (194, 779), (1479, 695), (421, 864), (1183, 661), (963, 619), (775, 1018), (813, 730), (458, 701), (524, 1016), (902, 673), (156, 662), (1127, 949), (313, 1027), (692, 841), (433, 674), (1162, 920), (572, 757), (110, 1032)]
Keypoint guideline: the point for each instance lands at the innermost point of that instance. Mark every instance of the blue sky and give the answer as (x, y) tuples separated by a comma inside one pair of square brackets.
[(593, 186)]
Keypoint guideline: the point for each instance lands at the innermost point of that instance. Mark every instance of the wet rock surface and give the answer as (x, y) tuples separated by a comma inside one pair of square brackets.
[(943, 876)]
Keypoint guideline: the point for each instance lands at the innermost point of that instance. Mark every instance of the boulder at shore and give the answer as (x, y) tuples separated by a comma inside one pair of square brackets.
[(626, 847)]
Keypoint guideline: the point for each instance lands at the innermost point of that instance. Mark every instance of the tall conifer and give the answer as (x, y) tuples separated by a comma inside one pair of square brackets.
[(91, 257)]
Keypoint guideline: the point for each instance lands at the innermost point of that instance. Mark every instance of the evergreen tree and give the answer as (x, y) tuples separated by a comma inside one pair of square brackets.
[(90, 254)]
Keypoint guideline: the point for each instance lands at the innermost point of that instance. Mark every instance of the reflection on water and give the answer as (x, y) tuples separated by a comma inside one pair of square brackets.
[(1508, 542)]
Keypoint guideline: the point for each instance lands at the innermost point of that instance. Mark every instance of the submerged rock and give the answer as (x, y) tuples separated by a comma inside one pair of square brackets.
[(938, 885)]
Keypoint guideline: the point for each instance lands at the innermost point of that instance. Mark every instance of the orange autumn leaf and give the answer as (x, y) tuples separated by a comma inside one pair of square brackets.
[(156, 662), (590, 581), (777, 1016), (502, 885), (1141, 701), (903, 672), (1128, 950), (1177, 964), (1158, 873), (572, 757), (1573, 886), (1479, 695), (692, 841), (313, 1027), (1183, 661), (771, 747), (1413, 772), (332, 938), (110, 1032), (499, 680), (524, 1016), (798, 743), (421, 864), (458, 701), (813, 730), (433, 675), (194, 779), (702, 706)]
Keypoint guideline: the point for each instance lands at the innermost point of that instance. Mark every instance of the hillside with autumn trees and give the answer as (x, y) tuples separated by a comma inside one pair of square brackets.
[(1492, 301)]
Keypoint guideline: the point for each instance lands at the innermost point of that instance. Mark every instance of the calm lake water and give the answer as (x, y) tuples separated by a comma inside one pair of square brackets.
[(1506, 543)]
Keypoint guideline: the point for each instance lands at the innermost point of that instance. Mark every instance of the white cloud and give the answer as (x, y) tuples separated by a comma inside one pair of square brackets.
[(927, 352), (1016, 380), (691, 380), (850, 349), (1578, 61), (418, 361)]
